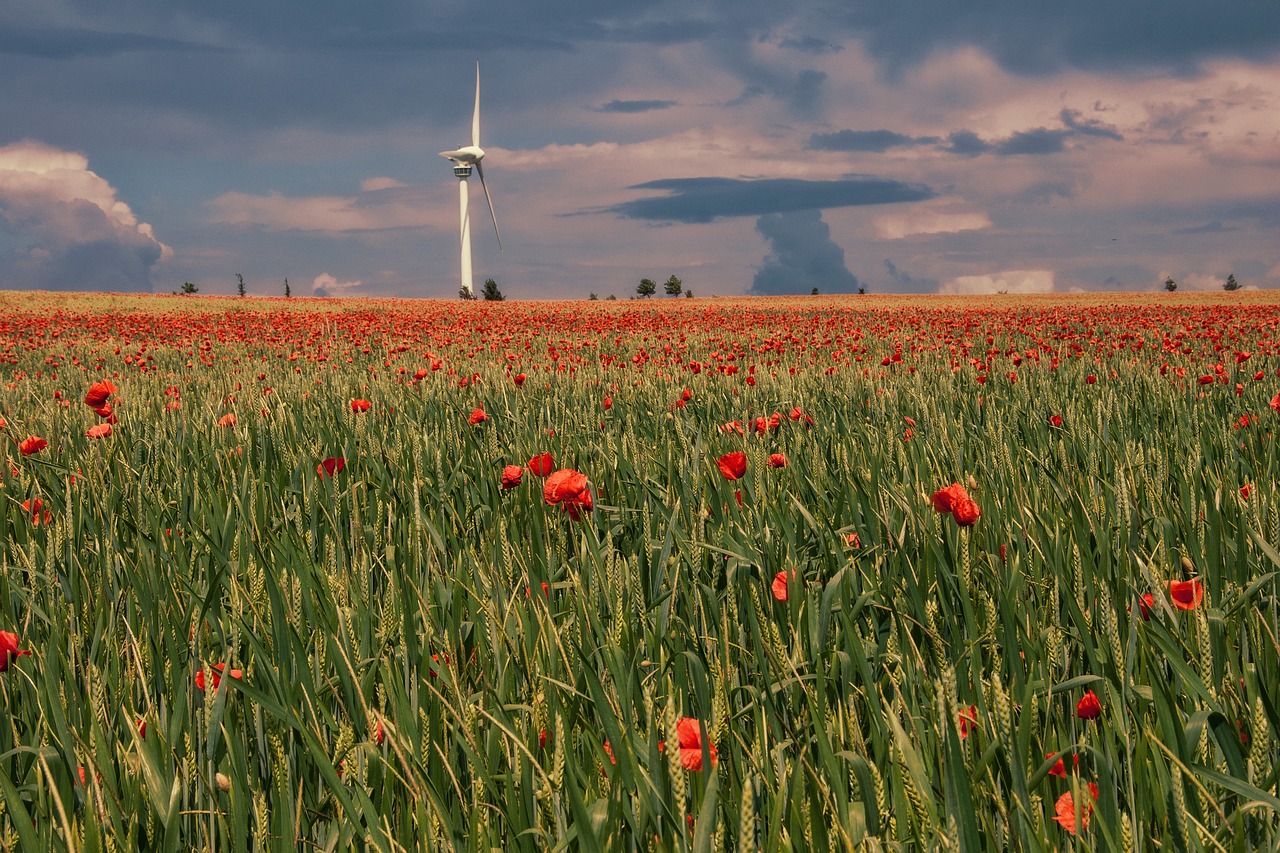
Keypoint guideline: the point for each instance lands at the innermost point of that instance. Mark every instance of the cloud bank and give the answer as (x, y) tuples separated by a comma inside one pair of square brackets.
[(802, 256), (75, 234)]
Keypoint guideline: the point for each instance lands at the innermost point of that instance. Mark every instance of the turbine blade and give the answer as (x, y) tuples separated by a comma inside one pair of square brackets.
[(475, 116), (485, 187)]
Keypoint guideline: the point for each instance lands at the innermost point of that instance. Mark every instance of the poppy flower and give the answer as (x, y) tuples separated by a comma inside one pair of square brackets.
[(218, 669), (39, 515), (519, 380), (379, 734), (227, 420), (98, 431), (965, 512), (477, 417), (1089, 708), (1065, 809), (1090, 379), (1055, 420), (689, 733), (542, 465), (32, 445), (968, 719), (777, 460), (563, 485), (853, 540), (142, 728), (358, 406), (1060, 768), (779, 585), (606, 403), (579, 505), (1186, 595), (1146, 604), (1275, 403), (9, 649), (731, 427), (511, 476), (944, 500), (331, 467), (1246, 490), (732, 465), (98, 393)]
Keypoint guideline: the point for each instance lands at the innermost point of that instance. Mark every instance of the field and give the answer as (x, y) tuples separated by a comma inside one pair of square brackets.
[(830, 573)]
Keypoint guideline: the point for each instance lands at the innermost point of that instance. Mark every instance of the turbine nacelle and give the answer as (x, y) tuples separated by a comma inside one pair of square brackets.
[(468, 155)]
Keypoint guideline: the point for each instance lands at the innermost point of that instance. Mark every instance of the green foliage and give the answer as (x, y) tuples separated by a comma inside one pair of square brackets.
[(491, 293), (405, 591), (673, 286), (1231, 283), (646, 287), (1170, 285), (239, 285)]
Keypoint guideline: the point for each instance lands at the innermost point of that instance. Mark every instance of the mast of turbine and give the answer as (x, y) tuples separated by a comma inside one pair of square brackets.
[(464, 159)]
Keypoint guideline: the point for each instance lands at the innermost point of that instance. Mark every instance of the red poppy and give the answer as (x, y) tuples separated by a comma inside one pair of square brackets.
[(777, 460), (511, 476), (1089, 708), (1146, 604), (358, 405), (730, 427), (477, 417), (34, 444), (1060, 768), (331, 467), (1055, 420), (606, 403), (98, 393), (1090, 379), (518, 379), (968, 718), (98, 431), (965, 512), (779, 585), (1275, 403), (853, 540), (1186, 595), (563, 485), (689, 733), (218, 670), (1065, 809), (142, 728), (1246, 490), (579, 505), (35, 508), (542, 465), (227, 420), (9, 649), (732, 465), (945, 500), (379, 734)]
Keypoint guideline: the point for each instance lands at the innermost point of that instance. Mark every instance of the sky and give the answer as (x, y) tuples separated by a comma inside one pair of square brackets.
[(744, 146)]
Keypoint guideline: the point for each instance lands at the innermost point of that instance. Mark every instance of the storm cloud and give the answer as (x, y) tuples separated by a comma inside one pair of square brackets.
[(74, 233), (802, 256), (708, 199)]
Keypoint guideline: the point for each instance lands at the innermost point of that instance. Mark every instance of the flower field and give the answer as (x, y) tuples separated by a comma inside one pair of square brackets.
[(831, 574)]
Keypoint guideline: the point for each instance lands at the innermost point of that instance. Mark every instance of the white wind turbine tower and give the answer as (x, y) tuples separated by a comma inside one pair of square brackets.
[(464, 159)]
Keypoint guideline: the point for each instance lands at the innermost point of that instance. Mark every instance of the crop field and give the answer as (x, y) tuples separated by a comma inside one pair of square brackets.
[(850, 573)]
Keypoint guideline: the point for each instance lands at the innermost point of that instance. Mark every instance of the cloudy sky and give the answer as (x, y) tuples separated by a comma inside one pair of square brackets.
[(746, 146)]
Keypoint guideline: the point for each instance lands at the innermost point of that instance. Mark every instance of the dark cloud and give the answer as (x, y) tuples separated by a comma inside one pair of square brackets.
[(1039, 39), (901, 281), (966, 143), (1041, 140), (810, 44), (707, 199), (72, 43), (616, 106), (860, 140), (1076, 121), (1214, 227), (801, 256)]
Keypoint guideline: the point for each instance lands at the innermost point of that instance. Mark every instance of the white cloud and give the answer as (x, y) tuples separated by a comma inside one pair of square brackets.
[(326, 285), (329, 214), (1008, 281), (80, 235), (374, 184), (945, 218)]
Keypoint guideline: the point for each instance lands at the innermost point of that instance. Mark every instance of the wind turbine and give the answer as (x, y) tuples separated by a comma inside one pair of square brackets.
[(464, 159)]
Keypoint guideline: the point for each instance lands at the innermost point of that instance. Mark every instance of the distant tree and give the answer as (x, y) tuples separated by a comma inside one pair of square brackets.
[(188, 287), (612, 297), (688, 294), (861, 290), (813, 292), (286, 289), (239, 284), (593, 298), (646, 287), (491, 292), (673, 286), (1231, 284), (1170, 285), (463, 293)]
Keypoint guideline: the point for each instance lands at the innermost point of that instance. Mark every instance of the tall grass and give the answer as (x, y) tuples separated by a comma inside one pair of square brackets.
[(404, 595)]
